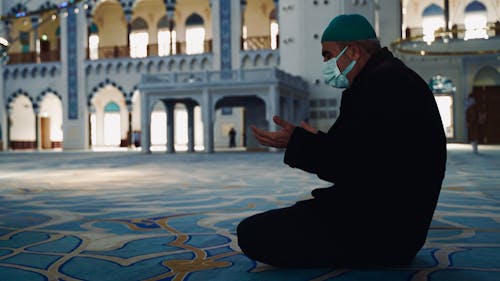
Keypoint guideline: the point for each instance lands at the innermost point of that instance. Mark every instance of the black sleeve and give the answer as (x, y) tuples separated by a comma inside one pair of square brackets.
[(314, 153)]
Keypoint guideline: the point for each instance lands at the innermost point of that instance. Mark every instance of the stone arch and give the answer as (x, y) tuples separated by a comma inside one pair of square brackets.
[(24, 72), (47, 6), (53, 71), (270, 60), (6, 73), (149, 66), (92, 8), (18, 9), (193, 64), (21, 111), (119, 67), (129, 66), (246, 62), (88, 69), (106, 82), (51, 114), (98, 69), (109, 66), (205, 64), (138, 67), (159, 66), (43, 71), (139, 24), (108, 128), (254, 113), (15, 72), (171, 65), (18, 93), (258, 61), (487, 76), (182, 65)]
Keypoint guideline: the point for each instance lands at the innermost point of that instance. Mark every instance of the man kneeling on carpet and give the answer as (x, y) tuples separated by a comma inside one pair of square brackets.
[(385, 155)]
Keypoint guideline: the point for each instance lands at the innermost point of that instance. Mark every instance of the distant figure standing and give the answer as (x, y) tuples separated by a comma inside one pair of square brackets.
[(232, 137), (472, 116)]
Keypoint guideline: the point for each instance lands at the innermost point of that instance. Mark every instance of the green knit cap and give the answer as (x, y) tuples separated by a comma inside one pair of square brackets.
[(348, 28)]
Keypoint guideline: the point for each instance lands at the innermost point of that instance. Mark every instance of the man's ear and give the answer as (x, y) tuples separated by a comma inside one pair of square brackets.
[(355, 51)]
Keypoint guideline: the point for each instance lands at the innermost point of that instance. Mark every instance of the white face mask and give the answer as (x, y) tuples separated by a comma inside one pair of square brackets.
[(332, 74)]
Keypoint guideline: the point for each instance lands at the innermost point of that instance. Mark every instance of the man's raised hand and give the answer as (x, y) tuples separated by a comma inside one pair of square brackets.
[(278, 139)]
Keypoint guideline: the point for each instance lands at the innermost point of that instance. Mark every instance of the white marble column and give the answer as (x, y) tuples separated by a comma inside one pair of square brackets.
[(273, 106), (290, 115)]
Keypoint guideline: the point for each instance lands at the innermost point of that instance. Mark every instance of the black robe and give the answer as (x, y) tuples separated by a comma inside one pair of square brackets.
[(385, 155)]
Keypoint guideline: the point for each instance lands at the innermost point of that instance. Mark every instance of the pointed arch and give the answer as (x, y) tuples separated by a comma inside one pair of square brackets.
[(487, 76), (195, 34), (101, 85), (432, 20), (476, 20)]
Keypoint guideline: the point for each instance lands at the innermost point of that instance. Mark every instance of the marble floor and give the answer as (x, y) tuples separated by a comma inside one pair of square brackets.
[(125, 215)]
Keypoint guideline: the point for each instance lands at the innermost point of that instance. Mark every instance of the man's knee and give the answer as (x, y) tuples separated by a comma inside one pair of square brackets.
[(247, 232)]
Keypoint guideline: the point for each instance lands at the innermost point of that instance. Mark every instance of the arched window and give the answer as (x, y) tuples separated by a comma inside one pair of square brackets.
[(475, 21), (432, 20), (195, 34), (93, 42), (166, 37), (274, 30), (139, 38), (112, 124)]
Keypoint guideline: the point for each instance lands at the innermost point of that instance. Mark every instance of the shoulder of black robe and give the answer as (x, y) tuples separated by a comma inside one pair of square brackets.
[(388, 130)]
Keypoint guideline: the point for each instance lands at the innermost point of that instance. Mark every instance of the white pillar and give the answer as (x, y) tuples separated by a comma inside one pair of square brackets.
[(73, 53), (208, 126), (99, 127), (290, 110), (273, 107)]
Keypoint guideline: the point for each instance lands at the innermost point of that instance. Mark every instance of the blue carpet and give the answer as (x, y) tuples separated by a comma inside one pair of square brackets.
[(160, 217)]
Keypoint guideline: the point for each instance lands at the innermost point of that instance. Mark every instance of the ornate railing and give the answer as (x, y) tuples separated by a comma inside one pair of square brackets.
[(178, 63), (111, 52), (31, 70), (447, 43), (31, 57), (257, 43), (226, 78), (266, 58)]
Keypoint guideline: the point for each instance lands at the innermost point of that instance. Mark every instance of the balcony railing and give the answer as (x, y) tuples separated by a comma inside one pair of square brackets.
[(112, 52), (225, 77), (257, 43), (31, 57), (456, 32), (449, 43)]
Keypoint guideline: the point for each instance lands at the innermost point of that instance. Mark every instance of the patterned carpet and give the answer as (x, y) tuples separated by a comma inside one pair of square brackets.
[(129, 216)]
